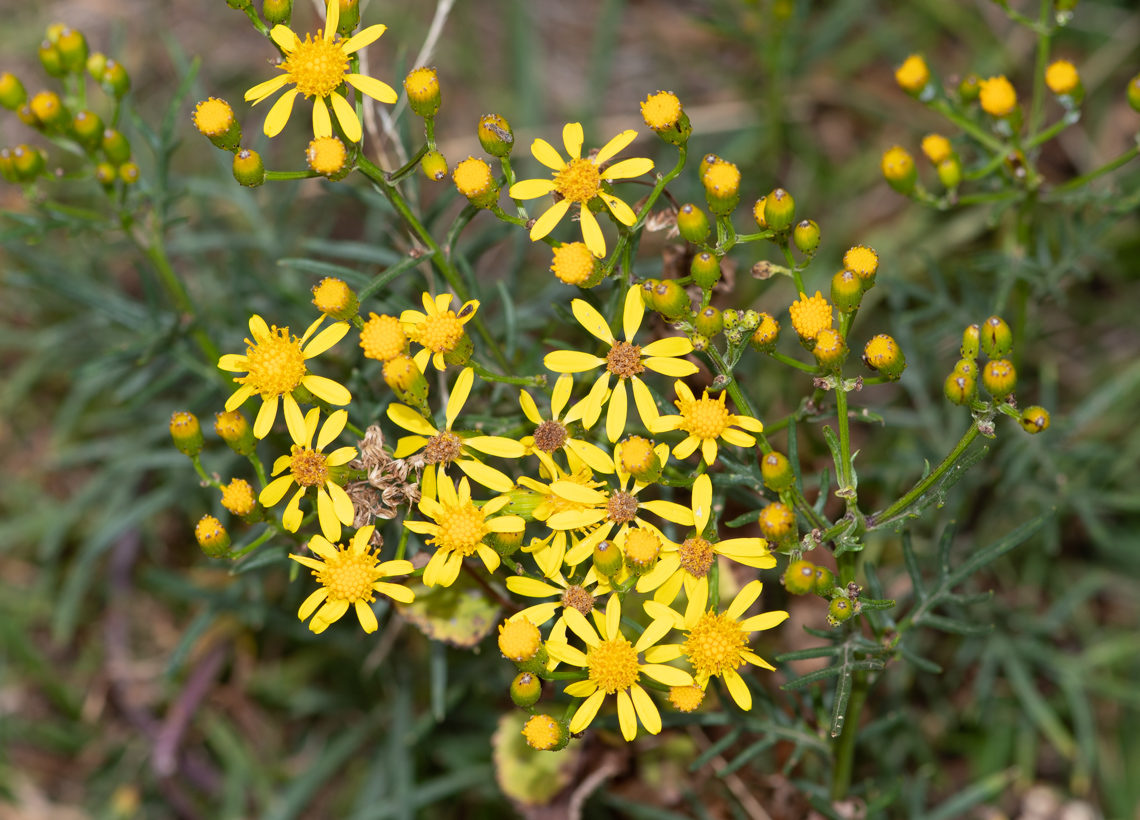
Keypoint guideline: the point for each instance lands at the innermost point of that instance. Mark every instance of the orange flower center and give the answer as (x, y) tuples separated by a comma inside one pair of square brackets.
[(309, 468), (579, 181), (624, 360)]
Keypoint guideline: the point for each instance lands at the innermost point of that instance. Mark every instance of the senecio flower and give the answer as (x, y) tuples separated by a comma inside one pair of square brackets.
[(998, 97), (316, 68), (624, 360), (440, 330), (810, 316), (458, 528), (716, 644), (274, 363), (614, 669), (705, 420), (579, 181), (349, 576), (309, 467), (553, 434)]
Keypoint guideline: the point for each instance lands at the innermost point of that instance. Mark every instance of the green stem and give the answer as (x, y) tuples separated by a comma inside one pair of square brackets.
[(525, 381), (792, 266), (993, 143), (197, 462), (1111, 165), (845, 743), (739, 399), (286, 175), (261, 539), (259, 469), (409, 167), (844, 469), (509, 179), (1044, 42), (251, 13), (788, 360), (402, 547), (1050, 132)]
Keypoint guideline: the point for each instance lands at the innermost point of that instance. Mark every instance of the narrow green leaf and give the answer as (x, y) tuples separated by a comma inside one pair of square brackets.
[(748, 754), (973, 795), (1035, 706), (813, 652), (997, 549), (389, 275), (812, 677), (912, 567), (716, 748), (945, 544), (917, 660), (953, 626), (839, 704)]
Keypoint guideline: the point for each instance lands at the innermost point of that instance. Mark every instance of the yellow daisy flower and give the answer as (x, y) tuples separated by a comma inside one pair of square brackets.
[(705, 420), (274, 363), (316, 68), (689, 563), (459, 529), (349, 576), (443, 447), (625, 360), (716, 645), (440, 331), (549, 552), (579, 181), (570, 596), (552, 434), (309, 467), (614, 669)]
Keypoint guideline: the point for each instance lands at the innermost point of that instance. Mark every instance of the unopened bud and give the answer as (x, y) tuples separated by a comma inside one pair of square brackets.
[(495, 135), (846, 291), (233, 428), (607, 558), (693, 224), (779, 210), (422, 86), (212, 537), (526, 689), (799, 578), (705, 270), (249, 170), (12, 93), (1034, 419), (186, 432), (334, 298), (996, 337), (708, 322), (883, 354), (971, 339), (898, 169), (999, 378), (776, 471), (767, 333), (434, 166), (806, 236)]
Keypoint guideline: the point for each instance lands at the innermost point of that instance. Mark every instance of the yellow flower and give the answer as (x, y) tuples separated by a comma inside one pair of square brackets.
[(614, 668), (349, 576), (552, 434), (1062, 77), (579, 181), (913, 74), (309, 467), (459, 529), (717, 645), (689, 563), (275, 366), (810, 316), (443, 447), (998, 96), (705, 420), (554, 510), (440, 330), (316, 68), (570, 596), (624, 360)]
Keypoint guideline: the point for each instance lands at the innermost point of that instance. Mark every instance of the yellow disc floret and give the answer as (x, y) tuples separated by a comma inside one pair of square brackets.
[(440, 333), (810, 316), (473, 177), (238, 498), (213, 117), (862, 261), (335, 298), (714, 644), (704, 418), (309, 467), (519, 640), (998, 97), (636, 454), (661, 110), (461, 528), (579, 181), (327, 156), (913, 75), (316, 66), (686, 698), (543, 733), (723, 178), (1062, 77), (573, 263), (642, 548), (613, 664), (276, 363), (422, 84), (383, 337), (937, 148), (349, 577), (776, 520)]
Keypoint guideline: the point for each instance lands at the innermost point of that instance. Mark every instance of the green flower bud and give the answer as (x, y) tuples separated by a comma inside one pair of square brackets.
[(806, 236), (1133, 93), (186, 432), (824, 582), (521, 643), (238, 5), (334, 298), (693, 224), (116, 81), (249, 170), (212, 537), (638, 458), (839, 611), (405, 379), (526, 689), (950, 172), (277, 12), (967, 367), (898, 169), (999, 378), (648, 297), (960, 388), (106, 174), (96, 65), (49, 110), (27, 162), (473, 179), (116, 147), (706, 161), (970, 87), (705, 270), (846, 291), (495, 135), (731, 319), (72, 47), (129, 173), (749, 321), (882, 353), (422, 87), (758, 213), (1034, 420), (349, 17), (767, 334), (722, 187), (777, 522), (996, 337), (233, 428), (505, 543), (799, 578), (12, 93), (777, 471), (51, 60), (607, 559), (7, 166), (971, 338), (779, 210), (214, 118), (672, 301), (830, 349), (88, 129), (434, 166), (708, 322)]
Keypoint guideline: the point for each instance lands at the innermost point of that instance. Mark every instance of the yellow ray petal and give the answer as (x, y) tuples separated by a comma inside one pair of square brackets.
[(327, 389), (616, 414), (628, 168), (311, 603), (326, 514), (571, 361), (531, 188), (362, 39), (531, 588), (545, 153), (365, 615), (619, 209), (632, 313), (279, 114), (529, 408), (340, 456), (592, 232), (669, 346), (595, 457), (333, 427), (581, 689), (708, 451), (572, 138), (646, 710), (545, 223), (275, 490), (326, 339), (615, 146), (346, 116), (262, 90), (627, 718), (265, 417), (410, 420), (592, 320), (738, 689), (662, 654), (676, 368), (381, 92), (687, 447), (765, 620), (296, 423), (332, 19), (702, 501), (587, 711), (489, 477), (322, 123), (744, 599), (613, 618), (459, 394)]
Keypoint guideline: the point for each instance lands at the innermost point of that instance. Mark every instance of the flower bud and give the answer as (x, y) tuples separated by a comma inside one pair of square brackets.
[(898, 169), (434, 166), (51, 60), (758, 213), (806, 236), (27, 162), (840, 610), (830, 349), (249, 170), (970, 88), (72, 47), (115, 146), (722, 187), (779, 210), (642, 548), (671, 300), (96, 65), (88, 129), (238, 5), (937, 148), (215, 119), (966, 367), (475, 181), (521, 642), (970, 340), (106, 174), (129, 173), (526, 689), (186, 432), (607, 559), (664, 115), (996, 337), (960, 388), (422, 86), (767, 334), (1133, 93), (708, 322), (405, 379), (505, 543), (638, 458), (846, 291), (950, 172), (522, 502), (212, 537), (238, 497), (575, 265), (335, 299), (495, 135), (349, 17), (545, 734), (648, 297), (1034, 419), (328, 157), (731, 319), (115, 79), (7, 166), (824, 582), (693, 224), (776, 471), (1064, 81), (705, 270), (883, 354), (777, 522), (998, 97), (49, 110), (749, 321), (233, 428), (277, 12), (999, 378), (799, 578), (706, 161), (686, 698), (12, 93), (913, 75), (28, 117)]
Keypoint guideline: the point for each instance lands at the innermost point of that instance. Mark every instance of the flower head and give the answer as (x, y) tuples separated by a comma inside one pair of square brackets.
[(579, 181), (457, 530), (440, 330), (716, 644), (1062, 77), (705, 420), (383, 338), (308, 466), (614, 669), (274, 363), (913, 74), (573, 263), (998, 96), (625, 360), (316, 67), (553, 434), (349, 576), (661, 110), (810, 316)]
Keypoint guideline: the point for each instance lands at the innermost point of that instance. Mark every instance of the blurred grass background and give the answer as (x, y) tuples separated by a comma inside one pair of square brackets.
[(138, 679)]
